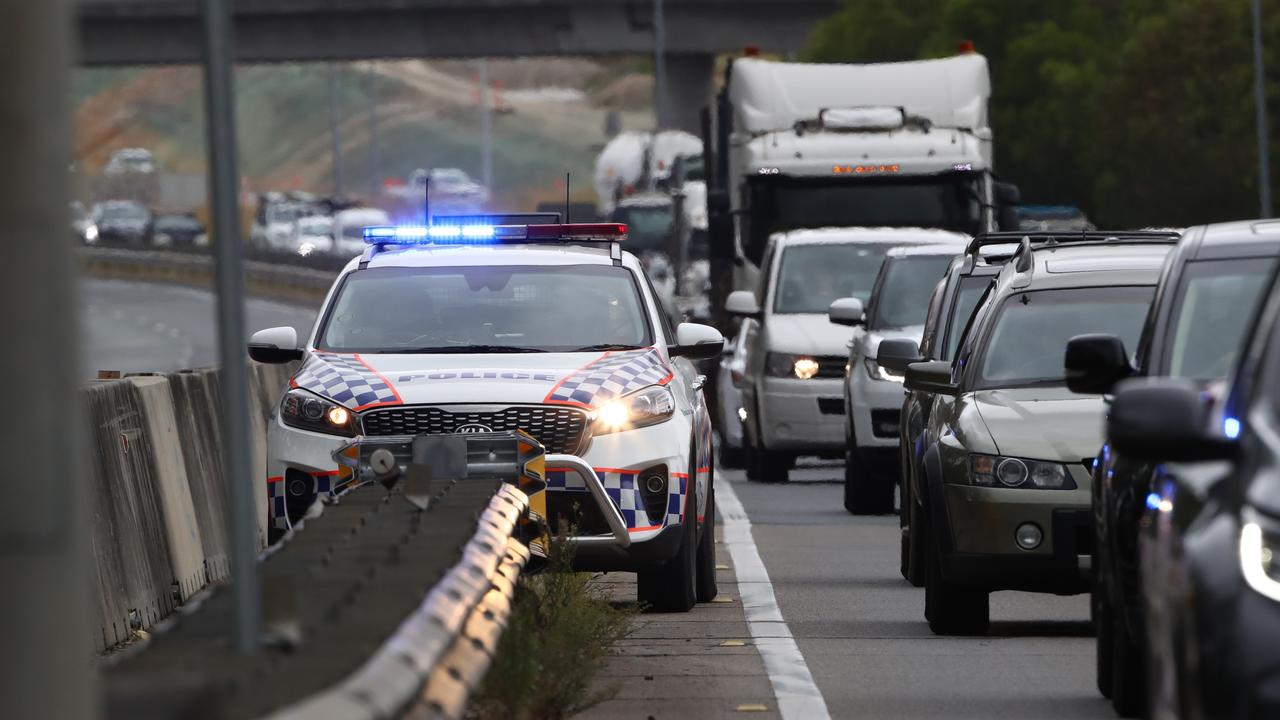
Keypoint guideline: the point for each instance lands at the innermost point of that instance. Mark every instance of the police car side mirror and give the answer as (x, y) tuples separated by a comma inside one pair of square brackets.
[(276, 345), (696, 342)]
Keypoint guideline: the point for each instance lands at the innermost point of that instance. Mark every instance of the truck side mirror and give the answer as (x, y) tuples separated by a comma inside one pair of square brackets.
[(717, 202)]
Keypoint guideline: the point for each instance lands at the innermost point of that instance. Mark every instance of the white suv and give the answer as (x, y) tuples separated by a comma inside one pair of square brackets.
[(550, 329)]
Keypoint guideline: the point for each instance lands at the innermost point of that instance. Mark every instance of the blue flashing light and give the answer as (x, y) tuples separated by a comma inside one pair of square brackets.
[(1153, 501), (1231, 427), (409, 234)]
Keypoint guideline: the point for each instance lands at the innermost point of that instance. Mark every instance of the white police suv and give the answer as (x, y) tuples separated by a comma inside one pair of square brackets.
[(467, 326)]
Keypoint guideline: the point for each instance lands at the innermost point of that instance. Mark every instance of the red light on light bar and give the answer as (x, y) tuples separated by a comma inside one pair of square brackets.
[(577, 230)]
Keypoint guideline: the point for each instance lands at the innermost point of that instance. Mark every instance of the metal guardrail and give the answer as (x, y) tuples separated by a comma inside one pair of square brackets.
[(281, 275)]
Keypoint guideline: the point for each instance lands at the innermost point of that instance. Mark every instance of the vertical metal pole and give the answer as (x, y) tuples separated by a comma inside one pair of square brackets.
[(224, 181), (660, 65), (1260, 106), (335, 135), (486, 127), (375, 152), (46, 618)]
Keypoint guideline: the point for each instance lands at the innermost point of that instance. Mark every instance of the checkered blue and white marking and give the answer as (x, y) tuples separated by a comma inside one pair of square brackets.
[(611, 375), (623, 488), (345, 379)]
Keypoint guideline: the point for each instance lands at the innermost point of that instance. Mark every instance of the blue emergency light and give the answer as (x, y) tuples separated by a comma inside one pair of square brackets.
[(463, 234)]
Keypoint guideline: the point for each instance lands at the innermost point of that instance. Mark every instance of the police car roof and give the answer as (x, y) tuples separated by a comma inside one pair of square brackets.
[(492, 254), (843, 235), (1066, 266)]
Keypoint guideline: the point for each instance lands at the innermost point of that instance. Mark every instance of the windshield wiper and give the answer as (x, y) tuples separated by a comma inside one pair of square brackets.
[(456, 349), (605, 346)]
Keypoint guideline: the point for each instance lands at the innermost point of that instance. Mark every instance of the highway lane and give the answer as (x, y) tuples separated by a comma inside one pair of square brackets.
[(861, 627), (140, 327)]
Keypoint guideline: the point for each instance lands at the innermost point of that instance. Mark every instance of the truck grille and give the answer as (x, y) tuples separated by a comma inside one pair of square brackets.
[(559, 429)]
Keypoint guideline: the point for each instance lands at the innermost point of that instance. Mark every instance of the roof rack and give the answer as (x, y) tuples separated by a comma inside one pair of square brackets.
[(1048, 238)]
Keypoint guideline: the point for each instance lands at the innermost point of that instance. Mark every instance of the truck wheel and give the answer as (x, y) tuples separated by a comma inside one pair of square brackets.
[(1102, 621), (706, 585), (952, 609), (1128, 681), (672, 586)]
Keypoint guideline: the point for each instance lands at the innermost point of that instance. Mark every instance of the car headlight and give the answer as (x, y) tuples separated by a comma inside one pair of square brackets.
[(90, 233), (1260, 556), (792, 366), (164, 239), (1010, 472), (307, 411), (306, 249), (879, 372), (650, 406)]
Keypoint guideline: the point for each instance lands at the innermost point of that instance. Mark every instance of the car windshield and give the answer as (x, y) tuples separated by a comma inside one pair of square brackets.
[(647, 226), (1216, 299), (288, 213), (562, 308), (1028, 343), (316, 226), (814, 276), (903, 299), (177, 222)]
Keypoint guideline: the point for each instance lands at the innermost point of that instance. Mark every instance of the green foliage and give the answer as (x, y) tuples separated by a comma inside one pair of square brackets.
[(561, 629), (1139, 111)]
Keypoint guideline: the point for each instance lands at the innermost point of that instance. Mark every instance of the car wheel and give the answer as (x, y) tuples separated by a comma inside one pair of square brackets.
[(775, 467), (866, 491), (706, 585), (672, 586), (952, 609), (754, 471), (1128, 684), (1102, 620), (732, 457)]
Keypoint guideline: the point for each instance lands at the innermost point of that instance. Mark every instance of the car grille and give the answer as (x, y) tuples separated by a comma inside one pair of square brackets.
[(831, 366), (559, 429)]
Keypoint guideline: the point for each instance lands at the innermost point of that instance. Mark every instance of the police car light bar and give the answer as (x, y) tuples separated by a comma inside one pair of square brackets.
[(462, 234)]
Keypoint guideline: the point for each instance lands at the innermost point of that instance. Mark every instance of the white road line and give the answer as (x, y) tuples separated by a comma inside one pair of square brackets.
[(798, 697)]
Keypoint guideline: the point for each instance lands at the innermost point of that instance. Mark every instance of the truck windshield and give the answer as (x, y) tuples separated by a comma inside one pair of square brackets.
[(1215, 302), (948, 201), (647, 226), (1032, 328), (813, 276), (903, 297), (478, 309)]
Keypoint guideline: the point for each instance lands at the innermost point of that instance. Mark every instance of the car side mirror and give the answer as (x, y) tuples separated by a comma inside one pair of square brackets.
[(743, 304), (1095, 363), (696, 342), (1164, 419), (897, 354), (847, 311), (933, 376), (275, 345)]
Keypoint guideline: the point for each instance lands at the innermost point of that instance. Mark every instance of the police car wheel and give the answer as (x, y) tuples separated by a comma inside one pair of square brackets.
[(707, 589), (671, 587)]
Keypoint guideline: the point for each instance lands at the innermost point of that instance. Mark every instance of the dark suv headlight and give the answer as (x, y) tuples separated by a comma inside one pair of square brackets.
[(1011, 472), (1260, 554), (307, 411)]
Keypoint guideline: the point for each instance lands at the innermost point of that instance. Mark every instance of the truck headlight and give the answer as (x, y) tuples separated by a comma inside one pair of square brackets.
[(1010, 472), (1259, 557), (879, 372), (650, 406), (308, 411), (792, 366)]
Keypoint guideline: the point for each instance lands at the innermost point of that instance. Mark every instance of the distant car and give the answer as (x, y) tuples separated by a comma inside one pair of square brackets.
[(1208, 292), (122, 222), (349, 225), (729, 412), (1052, 217), (181, 230), (130, 161), (83, 229), (450, 185), (273, 224), (313, 235), (873, 394)]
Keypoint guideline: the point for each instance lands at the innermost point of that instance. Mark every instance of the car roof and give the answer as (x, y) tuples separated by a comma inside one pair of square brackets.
[(930, 250), (1239, 239), (846, 235), (1071, 266)]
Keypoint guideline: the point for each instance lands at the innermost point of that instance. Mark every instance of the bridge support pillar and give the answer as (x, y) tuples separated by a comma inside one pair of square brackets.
[(689, 86)]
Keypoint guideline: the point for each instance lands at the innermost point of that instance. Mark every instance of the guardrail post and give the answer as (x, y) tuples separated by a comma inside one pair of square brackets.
[(45, 615), (229, 271)]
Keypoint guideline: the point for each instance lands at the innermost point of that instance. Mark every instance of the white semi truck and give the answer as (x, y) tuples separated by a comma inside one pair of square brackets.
[(802, 145)]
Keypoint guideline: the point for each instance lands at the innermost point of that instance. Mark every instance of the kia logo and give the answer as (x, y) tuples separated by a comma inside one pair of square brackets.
[(472, 429)]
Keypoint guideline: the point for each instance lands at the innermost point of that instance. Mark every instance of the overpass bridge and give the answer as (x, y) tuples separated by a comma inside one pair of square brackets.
[(129, 32)]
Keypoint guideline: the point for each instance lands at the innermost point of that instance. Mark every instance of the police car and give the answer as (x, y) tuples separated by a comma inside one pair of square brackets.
[(467, 326)]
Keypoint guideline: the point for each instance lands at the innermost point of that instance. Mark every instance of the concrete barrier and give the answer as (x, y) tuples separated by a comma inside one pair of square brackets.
[(196, 402)]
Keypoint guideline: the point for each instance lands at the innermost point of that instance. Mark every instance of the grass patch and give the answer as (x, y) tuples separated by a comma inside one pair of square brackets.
[(561, 629)]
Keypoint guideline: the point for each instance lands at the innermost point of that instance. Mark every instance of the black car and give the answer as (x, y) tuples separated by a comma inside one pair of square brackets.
[(1209, 535), (175, 230), (1208, 291), (122, 222)]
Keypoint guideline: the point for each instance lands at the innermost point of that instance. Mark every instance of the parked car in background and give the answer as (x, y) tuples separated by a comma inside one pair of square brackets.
[(181, 230), (1006, 492), (729, 411), (1208, 293), (313, 235), (349, 225), (122, 222), (896, 310), (1209, 534), (795, 356)]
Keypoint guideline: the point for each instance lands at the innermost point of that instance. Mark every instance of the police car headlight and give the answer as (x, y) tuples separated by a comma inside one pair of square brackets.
[(307, 411), (642, 408), (1260, 554)]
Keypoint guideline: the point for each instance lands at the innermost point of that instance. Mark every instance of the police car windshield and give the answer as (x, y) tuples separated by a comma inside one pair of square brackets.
[(562, 308), (814, 276), (1032, 329)]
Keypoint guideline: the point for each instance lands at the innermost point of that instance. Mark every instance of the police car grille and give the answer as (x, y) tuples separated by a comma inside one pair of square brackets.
[(560, 430)]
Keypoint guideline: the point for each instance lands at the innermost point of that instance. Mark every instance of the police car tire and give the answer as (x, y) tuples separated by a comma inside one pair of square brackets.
[(707, 589), (672, 587)]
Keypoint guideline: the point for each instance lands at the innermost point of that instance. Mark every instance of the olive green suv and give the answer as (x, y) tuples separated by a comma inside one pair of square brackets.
[(1006, 490)]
